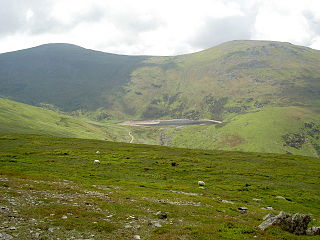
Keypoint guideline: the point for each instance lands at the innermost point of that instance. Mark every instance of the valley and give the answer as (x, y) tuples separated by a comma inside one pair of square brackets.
[(266, 94)]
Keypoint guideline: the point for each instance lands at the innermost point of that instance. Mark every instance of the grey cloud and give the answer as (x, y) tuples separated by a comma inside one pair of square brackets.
[(13, 17), (217, 31), (313, 22)]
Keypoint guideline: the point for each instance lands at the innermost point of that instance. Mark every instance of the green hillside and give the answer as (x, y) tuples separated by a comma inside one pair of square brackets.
[(51, 189), (19, 118), (291, 130), (232, 78)]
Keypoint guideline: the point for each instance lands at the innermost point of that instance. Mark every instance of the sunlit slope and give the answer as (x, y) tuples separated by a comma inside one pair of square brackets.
[(292, 130), (232, 78), (21, 118)]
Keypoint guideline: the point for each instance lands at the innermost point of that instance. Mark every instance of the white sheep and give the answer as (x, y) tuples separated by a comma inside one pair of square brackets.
[(201, 183), (96, 162)]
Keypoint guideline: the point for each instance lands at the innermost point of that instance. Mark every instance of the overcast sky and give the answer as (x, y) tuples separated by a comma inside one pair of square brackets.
[(156, 27)]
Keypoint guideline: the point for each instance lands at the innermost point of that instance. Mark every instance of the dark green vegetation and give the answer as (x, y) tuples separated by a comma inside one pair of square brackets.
[(43, 179), (266, 93)]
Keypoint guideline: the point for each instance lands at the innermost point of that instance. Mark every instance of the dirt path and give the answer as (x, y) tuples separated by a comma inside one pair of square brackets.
[(132, 138)]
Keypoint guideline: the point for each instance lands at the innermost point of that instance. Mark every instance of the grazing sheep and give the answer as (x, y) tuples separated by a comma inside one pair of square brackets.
[(96, 162), (201, 183), (97, 152)]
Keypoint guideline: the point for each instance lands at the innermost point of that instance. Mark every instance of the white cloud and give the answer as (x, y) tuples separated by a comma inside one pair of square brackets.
[(165, 27)]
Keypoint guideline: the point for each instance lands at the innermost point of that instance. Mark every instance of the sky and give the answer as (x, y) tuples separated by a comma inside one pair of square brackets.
[(156, 27)]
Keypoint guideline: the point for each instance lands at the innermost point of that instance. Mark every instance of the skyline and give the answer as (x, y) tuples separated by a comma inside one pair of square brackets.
[(156, 28)]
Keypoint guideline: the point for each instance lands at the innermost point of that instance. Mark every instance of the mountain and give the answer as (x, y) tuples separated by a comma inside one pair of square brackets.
[(266, 93), (65, 75), (234, 77)]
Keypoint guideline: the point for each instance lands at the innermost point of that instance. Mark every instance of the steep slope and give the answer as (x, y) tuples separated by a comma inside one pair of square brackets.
[(65, 75), (232, 78), (20, 118)]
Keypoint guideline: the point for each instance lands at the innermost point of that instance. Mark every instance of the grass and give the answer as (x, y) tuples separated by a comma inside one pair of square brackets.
[(45, 178)]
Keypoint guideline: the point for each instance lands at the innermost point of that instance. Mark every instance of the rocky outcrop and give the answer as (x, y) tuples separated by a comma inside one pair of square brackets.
[(296, 223)]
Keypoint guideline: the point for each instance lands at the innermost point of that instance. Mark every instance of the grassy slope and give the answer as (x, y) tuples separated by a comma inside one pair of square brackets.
[(44, 178), (244, 72), (19, 118), (259, 131)]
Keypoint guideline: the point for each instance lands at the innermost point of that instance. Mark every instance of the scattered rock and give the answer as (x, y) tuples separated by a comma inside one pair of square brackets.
[(162, 215), (280, 197), (256, 199), (269, 215), (296, 223), (201, 183), (242, 210), (64, 217), (313, 231), (226, 201), (97, 152), (136, 237), (12, 228), (155, 224), (50, 229), (5, 236), (37, 235), (270, 221), (267, 208)]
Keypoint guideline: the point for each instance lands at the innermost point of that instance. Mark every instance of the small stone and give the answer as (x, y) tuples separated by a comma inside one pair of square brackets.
[(256, 199), (97, 152), (50, 229), (5, 236), (280, 197), (136, 237), (157, 224), (64, 217), (12, 228), (313, 231), (37, 235), (226, 201), (242, 210), (269, 215), (201, 183), (162, 215), (127, 226)]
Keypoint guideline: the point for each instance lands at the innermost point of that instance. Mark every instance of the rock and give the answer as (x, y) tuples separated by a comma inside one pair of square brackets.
[(37, 235), (267, 208), (64, 217), (226, 201), (162, 215), (97, 152), (5, 236), (276, 220), (50, 229), (136, 237), (280, 197), (256, 199), (269, 215), (242, 210), (313, 231), (201, 183), (296, 223), (157, 224)]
